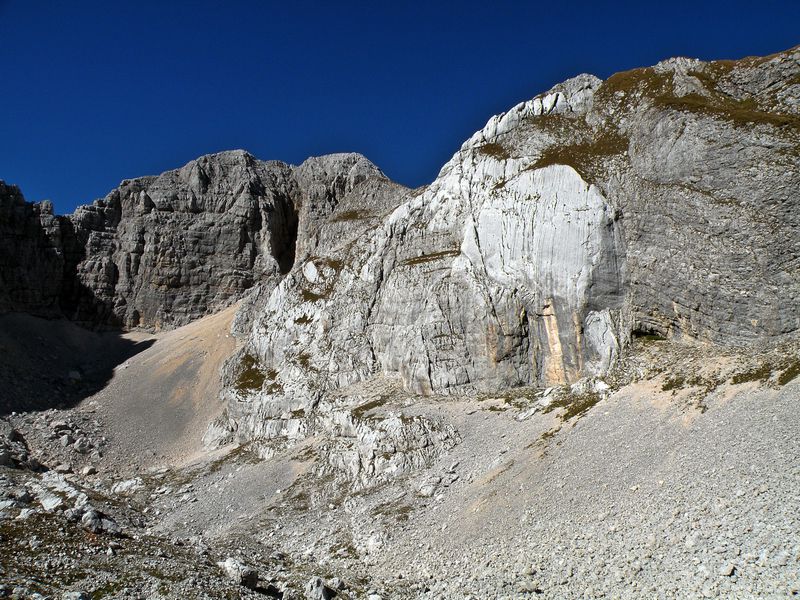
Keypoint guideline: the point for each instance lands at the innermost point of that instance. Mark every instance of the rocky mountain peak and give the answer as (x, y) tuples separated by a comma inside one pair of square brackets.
[(160, 251), (595, 212), (582, 335), (590, 213)]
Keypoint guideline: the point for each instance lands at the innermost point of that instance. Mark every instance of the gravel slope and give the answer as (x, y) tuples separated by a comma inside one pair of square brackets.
[(159, 403)]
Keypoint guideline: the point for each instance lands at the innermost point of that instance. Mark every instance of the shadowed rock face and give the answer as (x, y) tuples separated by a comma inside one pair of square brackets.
[(31, 255)]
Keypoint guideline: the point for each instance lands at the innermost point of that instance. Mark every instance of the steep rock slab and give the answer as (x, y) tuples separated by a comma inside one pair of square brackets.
[(498, 274), (590, 213)]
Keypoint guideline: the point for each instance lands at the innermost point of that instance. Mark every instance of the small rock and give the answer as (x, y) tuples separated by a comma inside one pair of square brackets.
[(97, 522), (240, 573), (50, 502), (317, 590), (21, 495), (26, 513), (82, 445), (73, 515), (76, 596), (337, 584), (130, 485), (426, 490)]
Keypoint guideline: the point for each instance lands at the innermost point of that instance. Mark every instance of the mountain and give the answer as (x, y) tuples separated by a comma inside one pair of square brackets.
[(659, 202), (158, 252), (567, 367)]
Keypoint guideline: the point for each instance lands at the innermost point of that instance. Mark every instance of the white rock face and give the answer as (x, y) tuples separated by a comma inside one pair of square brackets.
[(590, 212), (498, 274), (551, 236)]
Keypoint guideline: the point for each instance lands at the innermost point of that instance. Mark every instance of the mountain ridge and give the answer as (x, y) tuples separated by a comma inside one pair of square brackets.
[(568, 367)]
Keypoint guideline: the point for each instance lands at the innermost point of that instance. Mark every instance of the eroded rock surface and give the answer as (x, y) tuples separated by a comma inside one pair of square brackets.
[(661, 201), (158, 252)]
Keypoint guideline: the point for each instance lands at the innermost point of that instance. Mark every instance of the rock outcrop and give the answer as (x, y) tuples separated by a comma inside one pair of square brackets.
[(31, 255), (661, 201), (159, 252)]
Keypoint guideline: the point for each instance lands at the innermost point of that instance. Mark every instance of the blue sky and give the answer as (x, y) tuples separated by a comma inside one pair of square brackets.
[(96, 92)]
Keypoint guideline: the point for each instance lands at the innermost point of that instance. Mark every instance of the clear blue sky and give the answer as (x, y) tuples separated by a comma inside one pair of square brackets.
[(95, 92)]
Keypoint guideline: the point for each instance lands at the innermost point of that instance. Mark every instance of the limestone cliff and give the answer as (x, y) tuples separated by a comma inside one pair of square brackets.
[(31, 255), (158, 252), (661, 201)]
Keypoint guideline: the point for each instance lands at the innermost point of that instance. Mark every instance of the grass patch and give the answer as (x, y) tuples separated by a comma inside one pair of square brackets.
[(240, 454), (304, 360), (761, 373), (426, 258), (792, 371), (494, 150), (333, 263), (574, 405), (584, 156), (311, 296), (658, 87), (648, 337), (351, 215), (547, 435), (645, 81), (359, 412), (251, 377), (676, 382), (395, 509), (739, 112)]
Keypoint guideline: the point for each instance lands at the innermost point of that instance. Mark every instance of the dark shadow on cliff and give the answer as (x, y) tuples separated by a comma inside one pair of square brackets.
[(48, 361), (53, 363)]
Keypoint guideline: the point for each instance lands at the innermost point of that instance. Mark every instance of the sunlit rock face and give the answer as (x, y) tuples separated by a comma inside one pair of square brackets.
[(159, 252), (662, 200), (659, 201)]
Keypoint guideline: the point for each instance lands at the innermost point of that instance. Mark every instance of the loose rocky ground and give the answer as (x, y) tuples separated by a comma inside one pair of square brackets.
[(666, 479)]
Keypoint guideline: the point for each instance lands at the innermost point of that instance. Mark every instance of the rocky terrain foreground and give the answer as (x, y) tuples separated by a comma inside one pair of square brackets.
[(565, 369)]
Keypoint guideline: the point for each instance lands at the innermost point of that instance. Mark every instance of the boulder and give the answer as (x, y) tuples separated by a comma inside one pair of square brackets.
[(240, 573)]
